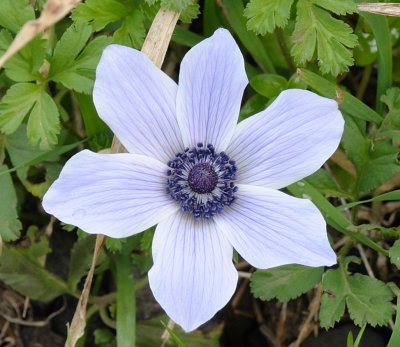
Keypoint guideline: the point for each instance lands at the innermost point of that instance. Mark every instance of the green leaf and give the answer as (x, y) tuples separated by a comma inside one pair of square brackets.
[(381, 31), (390, 196), (10, 226), (395, 338), (338, 7), (22, 156), (99, 13), (74, 63), (175, 338), (394, 254), (16, 105), (324, 183), (114, 245), (15, 13), (284, 282), (80, 261), (190, 13), (44, 122), (26, 98), (316, 29), (176, 5), (268, 85), (129, 14), (390, 127), (23, 66), (332, 215), (126, 302), (368, 300), (21, 270), (132, 31), (265, 15), (375, 161), (234, 11), (185, 37), (25, 156), (381, 166), (149, 332), (347, 102)]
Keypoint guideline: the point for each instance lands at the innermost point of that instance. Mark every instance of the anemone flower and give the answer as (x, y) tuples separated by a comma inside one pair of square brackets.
[(210, 184)]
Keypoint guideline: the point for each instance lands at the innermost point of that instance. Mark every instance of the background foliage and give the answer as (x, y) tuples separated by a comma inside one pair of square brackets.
[(47, 114)]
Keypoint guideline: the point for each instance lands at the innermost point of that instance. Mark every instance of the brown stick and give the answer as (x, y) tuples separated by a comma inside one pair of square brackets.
[(388, 9), (53, 11)]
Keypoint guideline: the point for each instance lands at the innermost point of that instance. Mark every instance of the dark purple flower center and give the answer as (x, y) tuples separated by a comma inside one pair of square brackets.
[(202, 178), (202, 181)]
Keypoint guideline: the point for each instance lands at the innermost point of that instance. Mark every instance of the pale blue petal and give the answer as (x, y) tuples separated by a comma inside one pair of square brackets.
[(269, 228), (137, 101), (211, 83), (290, 140), (117, 195), (193, 275)]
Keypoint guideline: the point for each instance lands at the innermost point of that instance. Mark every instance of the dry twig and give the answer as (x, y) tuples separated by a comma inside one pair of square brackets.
[(388, 9), (53, 11)]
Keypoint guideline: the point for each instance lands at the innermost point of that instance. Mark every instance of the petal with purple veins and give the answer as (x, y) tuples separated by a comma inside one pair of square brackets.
[(211, 83), (193, 275), (137, 101), (288, 141), (117, 195), (269, 228)]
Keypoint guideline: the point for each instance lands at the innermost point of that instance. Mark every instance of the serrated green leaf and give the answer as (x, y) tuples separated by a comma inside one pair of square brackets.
[(234, 10), (394, 254), (338, 7), (284, 282), (15, 13), (390, 127), (381, 166), (74, 63), (317, 30), (333, 302), (368, 300), (23, 66), (132, 32), (10, 226), (22, 271), (130, 14), (44, 122), (395, 338), (26, 98), (114, 245), (16, 105), (23, 156), (190, 13), (99, 13), (176, 5), (265, 15), (375, 161)]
